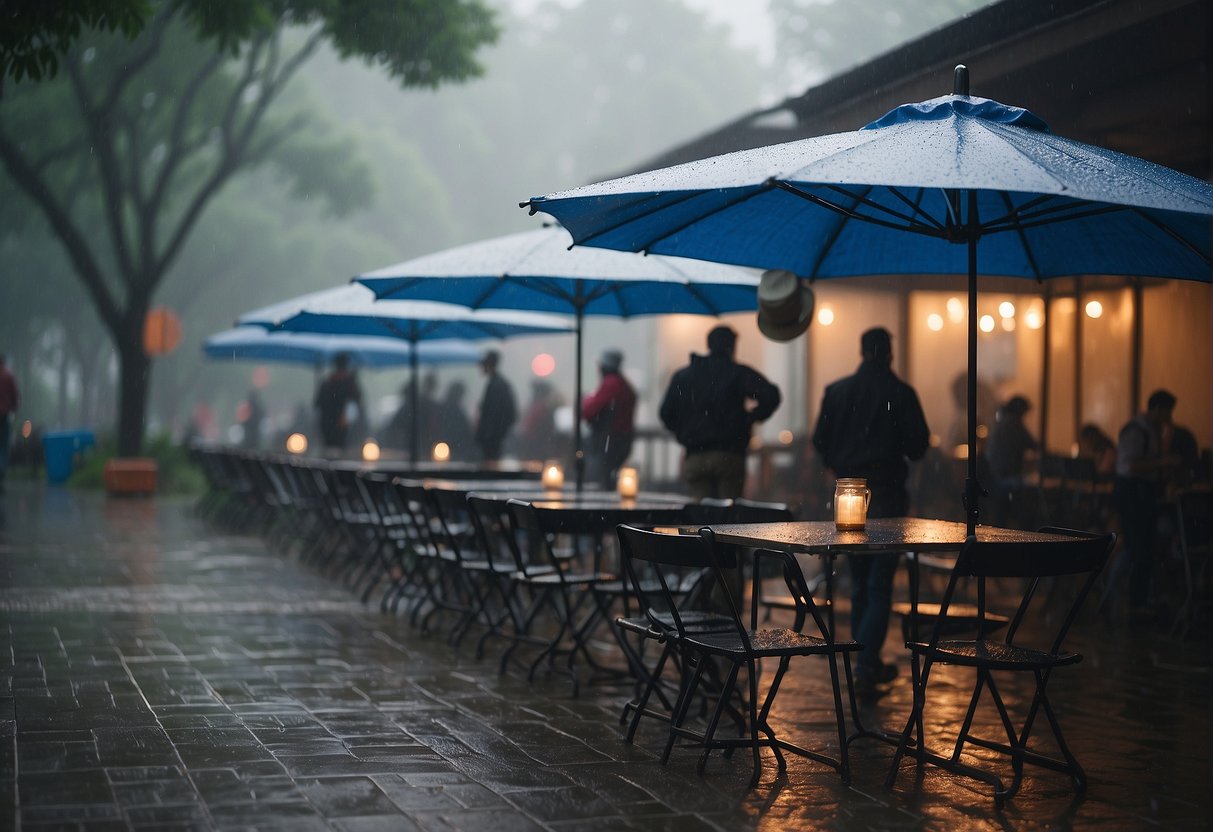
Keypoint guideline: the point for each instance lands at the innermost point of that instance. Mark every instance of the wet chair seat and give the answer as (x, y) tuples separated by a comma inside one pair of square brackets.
[(1031, 647)]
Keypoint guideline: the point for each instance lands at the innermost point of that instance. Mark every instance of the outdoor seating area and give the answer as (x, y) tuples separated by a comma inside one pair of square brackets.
[(691, 631)]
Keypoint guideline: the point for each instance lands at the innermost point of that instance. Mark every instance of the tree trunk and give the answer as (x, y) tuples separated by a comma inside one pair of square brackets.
[(134, 377)]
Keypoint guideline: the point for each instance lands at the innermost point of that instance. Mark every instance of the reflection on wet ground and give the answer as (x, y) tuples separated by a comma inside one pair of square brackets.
[(160, 673)]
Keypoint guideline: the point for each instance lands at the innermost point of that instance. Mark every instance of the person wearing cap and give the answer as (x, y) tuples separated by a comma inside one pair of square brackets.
[(498, 410), (610, 412), (870, 425), (711, 406)]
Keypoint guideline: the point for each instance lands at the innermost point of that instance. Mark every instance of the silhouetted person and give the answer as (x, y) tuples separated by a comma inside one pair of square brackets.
[(452, 423), (498, 410), (10, 398), (610, 412), (1143, 467), (1006, 447), (254, 416), (398, 433), (1097, 446), (338, 401), (870, 425), (711, 406), (537, 431)]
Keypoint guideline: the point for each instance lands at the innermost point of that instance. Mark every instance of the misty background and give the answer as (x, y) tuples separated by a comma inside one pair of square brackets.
[(572, 92)]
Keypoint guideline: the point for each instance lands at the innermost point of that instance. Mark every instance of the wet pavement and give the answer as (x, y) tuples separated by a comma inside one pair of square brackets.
[(157, 672)]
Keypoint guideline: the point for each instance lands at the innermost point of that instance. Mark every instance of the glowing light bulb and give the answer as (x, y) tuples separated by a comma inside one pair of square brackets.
[(370, 450), (1033, 319), (786, 437), (1094, 309), (543, 365), (825, 316), (1006, 309), (956, 310), (935, 322), (986, 323), (442, 452), (296, 443)]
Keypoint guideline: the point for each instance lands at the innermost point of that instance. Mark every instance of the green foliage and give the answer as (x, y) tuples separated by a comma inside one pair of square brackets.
[(35, 33), (175, 473)]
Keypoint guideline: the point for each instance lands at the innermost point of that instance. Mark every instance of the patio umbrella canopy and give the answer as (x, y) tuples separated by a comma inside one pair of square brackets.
[(539, 270), (927, 189), (253, 343), (353, 310)]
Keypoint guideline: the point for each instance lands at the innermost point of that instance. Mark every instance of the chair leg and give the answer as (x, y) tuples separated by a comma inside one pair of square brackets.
[(685, 695), (710, 732)]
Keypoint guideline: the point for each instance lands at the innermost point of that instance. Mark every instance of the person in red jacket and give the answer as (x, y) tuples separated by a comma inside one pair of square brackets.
[(610, 412)]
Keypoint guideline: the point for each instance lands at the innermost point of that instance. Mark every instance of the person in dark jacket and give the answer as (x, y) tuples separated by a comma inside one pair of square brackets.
[(498, 410), (711, 406), (338, 400), (870, 425)]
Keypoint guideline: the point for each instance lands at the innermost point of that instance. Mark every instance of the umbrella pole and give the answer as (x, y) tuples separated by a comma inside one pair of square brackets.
[(578, 454), (973, 492), (413, 387)]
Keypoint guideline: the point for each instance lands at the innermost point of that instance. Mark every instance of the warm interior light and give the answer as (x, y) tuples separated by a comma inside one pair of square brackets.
[(935, 441), (825, 316), (629, 482), (553, 475), (956, 310), (370, 450), (982, 431), (786, 437), (1006, 309), (1033, 319), (986, 323), (1094, 309), (296, 443), (543, 365), (442, 452), (935, 322), (1008, 324)]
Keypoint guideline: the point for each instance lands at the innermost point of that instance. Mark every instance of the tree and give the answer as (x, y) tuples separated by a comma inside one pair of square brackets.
[(138, 137)]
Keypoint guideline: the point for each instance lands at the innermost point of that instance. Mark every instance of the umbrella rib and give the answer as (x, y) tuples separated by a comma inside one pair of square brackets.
[(821, 202), (828, 244), (915, 206), (1023, 238), (1173, 234)]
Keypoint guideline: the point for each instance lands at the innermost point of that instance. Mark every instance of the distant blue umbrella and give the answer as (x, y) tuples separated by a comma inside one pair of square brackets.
[(913, 193), (353, 310), (254, 343), (538, 270)]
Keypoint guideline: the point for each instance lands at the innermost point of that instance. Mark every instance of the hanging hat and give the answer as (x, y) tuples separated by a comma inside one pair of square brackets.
[(785, 305)]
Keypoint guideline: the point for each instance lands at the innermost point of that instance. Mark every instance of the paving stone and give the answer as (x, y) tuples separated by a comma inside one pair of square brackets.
[(277, 701)]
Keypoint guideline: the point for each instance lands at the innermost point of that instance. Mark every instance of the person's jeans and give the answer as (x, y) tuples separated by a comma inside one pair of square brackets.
[(871, 597), (715, 474)]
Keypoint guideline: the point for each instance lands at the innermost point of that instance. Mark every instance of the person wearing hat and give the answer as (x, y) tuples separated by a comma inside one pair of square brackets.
[(1008, 444), (711, 406), (870, 424), (498, 410), (610, 412)]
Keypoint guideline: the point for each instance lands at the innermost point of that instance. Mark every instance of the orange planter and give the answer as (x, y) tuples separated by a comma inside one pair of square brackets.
[(130, 475)]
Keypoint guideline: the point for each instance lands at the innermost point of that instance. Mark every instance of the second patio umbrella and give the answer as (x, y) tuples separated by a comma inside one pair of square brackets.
[(912, 193), (254, 343), (538, 270), (353, 310)]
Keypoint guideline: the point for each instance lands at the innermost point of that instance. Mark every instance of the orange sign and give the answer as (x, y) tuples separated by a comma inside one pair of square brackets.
[(161, 331)]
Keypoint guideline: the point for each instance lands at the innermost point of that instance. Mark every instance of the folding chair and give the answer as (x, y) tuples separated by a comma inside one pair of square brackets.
[(566, 591), (1081, 558), (740, 644)]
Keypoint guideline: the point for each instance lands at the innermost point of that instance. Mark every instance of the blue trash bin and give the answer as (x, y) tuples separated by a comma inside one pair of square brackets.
[(59, 449)]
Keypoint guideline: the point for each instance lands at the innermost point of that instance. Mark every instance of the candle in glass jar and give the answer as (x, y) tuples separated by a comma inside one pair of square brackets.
[(850, 511), (629, 482), (553, 476)]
